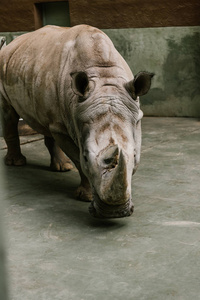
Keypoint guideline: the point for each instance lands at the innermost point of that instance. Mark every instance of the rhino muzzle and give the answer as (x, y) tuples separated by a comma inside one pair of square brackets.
[(99, 209)]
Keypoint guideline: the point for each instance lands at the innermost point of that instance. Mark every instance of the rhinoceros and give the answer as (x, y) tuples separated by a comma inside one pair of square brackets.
[(73, 86)]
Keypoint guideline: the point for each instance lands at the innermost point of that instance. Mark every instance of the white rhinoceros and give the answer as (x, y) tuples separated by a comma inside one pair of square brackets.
[(73, 86)]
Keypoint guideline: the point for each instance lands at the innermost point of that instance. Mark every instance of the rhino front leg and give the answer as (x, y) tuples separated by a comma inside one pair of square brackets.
[(84, 191), (59, 161), (10, 120)]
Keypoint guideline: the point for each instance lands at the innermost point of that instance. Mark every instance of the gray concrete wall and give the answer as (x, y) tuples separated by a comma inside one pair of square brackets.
[(10, 35), (173, 54)]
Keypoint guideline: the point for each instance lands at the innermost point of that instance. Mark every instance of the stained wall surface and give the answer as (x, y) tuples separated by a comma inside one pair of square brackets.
[(173, 54)]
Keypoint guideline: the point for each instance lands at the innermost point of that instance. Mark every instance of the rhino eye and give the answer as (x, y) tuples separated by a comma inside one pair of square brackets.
[(108, 161)]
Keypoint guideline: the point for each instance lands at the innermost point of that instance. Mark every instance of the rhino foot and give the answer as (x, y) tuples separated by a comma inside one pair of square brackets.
[(84, 194), (15, 160), (61, 165)]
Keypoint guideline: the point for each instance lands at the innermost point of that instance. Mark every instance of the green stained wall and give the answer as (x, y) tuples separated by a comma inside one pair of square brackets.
[(9, 36), (173, 54)]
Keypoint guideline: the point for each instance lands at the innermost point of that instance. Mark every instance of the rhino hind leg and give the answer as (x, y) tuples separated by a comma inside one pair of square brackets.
[(59, 161), (10, 120)]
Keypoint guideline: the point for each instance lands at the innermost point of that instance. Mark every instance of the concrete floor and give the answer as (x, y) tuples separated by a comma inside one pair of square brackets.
[(57, 251)]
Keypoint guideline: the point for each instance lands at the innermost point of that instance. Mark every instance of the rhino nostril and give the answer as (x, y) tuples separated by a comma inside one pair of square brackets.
[(85, 158), (132, 209)]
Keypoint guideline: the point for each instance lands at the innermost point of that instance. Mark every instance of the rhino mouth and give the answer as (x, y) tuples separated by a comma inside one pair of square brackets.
[(102, 210)]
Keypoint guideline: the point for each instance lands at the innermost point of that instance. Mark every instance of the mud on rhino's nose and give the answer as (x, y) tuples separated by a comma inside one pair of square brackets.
[(99, 209)]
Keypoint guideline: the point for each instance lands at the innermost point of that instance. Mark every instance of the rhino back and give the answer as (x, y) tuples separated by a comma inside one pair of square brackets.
[(28, 70), (35, 69)]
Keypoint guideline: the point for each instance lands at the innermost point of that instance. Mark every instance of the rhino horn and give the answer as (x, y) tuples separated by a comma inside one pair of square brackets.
[(114, 184)]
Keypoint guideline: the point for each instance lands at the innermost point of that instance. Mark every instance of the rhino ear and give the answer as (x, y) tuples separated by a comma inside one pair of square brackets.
[(140, 85), (80, 83)]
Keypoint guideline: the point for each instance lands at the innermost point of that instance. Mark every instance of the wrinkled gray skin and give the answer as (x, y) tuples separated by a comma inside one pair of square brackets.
[(72, 85)]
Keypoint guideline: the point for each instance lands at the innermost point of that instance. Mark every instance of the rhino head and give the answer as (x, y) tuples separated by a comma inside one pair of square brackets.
[(108, 124)]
